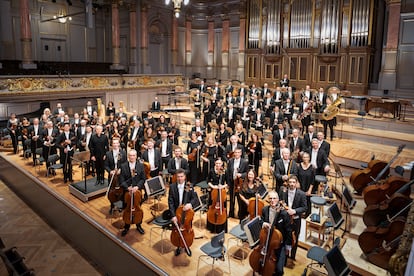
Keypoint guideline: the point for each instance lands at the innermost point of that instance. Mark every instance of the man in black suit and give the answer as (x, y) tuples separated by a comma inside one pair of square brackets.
[(308, 137), (178, 196), (156, 105), (136, 136), (231, 116), (319, 159), (284, 82), (295, 200), (296, 144), (66, 143), (113, 161), (258, 120), (279, 133), (132, 179), (275, 215), (153, 157), (236, 169), (34, 134), (90, 108), (98, 146), (284, 167), (165, 146), (178, 162), (323, 144), (49, 135)]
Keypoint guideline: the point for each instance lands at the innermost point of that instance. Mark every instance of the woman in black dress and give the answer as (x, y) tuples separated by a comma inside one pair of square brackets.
[(216, 180), (306, 176), (110, 109), (254, 152), (222, 138), (193, 152), (208, 155), (248, 191)]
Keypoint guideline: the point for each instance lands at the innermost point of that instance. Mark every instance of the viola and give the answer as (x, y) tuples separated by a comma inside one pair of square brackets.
[(217, 213), (263, 259), (376, 169), (133, 213), (182, 235), (375, 194)]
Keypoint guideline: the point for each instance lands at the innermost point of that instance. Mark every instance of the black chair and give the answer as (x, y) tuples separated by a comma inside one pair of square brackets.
[(28, 151), (316, 254), (240, 236), (215, 250), (361, 119), (163, 223), (53, 166)]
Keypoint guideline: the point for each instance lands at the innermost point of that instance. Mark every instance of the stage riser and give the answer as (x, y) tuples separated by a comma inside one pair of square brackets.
[(366, 137), (95, 242)]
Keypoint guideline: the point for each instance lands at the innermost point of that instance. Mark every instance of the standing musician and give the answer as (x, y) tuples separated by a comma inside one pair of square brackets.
[(199, 130), (114, 158), (216, 180), (219, 112), (248, 191), (323, 144), (173, 131), (132, 179), (34, 135), (278, 97), (165, 146), (66, 142), (284, 82), (240, 132), (208, 155), (321, 97), (236, 172), (222, 137), (268, 104), (179, 196), (208, 114), (245, 113), (231, 115), (296, 145), (241, 99), (98, 146), (137, 134), (289, 94), (153, 157), (306, 177), (254, 152), (319, 159), (193, 152), (24, 131), (12, 127), (83, 145), (284, 167), (287, 109), (275, 215), (258, 120), (230, 148), (308, 137), (49, 136), (279, 133), (255, 103), (296, 201), (276, 117), (178, 162), (328, 123), (305, 110)]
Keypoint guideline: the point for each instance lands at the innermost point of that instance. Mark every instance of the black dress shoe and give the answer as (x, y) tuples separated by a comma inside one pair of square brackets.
[(97, 183), (124, 232), (177, 251), (140, 230)]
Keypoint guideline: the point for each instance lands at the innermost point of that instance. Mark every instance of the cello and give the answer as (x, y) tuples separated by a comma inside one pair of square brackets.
[(217, 213), (133, 213), (114, 192), (256, 205), (378, 169), (263, 259), (182, 235), (378, 193)]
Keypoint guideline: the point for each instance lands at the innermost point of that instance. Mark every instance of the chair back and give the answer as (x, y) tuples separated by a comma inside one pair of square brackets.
[(217, 241), (362, 113), (53, 158)]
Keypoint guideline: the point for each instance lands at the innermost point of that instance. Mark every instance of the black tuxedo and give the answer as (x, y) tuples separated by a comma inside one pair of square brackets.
[(280, 171), (168, 151), (231, 121), (156, 105), (172, 169), (34, 144), (66, 158), (258, 123), (243, 168), (49, 150), (307, 140), (321, 161), (138, 138), (174, 198), (157, 161), (284, 82), (98, 146), (326, 147), (300, 144), (277, 137), (110, 162), (229, 149), (275, 119), (300, 206), (126, 179)]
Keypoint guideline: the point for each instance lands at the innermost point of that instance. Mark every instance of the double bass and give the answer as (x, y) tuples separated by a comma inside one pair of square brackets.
[(182, 235), (263, 259), (217, 213)]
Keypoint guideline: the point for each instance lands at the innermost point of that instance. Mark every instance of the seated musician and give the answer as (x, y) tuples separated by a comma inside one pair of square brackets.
[(216, 180), (113, 161), (277, 216), (178, 196), (178, 162), (132, 178), (295, 199)]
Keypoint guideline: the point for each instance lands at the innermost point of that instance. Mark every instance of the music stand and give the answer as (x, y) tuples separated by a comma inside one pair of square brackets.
[(335, 263), (336, 217), (252, 229), (154, 187), (82, 157)]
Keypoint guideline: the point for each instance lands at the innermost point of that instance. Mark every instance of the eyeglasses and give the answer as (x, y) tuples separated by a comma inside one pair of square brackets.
[(273, 198)]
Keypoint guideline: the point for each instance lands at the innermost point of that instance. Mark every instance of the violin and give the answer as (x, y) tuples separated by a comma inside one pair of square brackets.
[(133, 213), (182, 235), (375, 194), (217, 213), (263, 258), (378, 169), (192, 156)]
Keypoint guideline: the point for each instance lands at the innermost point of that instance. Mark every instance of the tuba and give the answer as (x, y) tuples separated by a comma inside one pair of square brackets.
[(331, 111)]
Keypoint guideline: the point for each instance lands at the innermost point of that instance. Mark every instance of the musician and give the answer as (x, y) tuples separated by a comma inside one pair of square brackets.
[(75, 122), (202, 86), (199, 130), (296, 201), (136, 136), (219, 112), (258, 120), (248, 191), (161, 125), (216, 180), (110, 108), (277, 216), (165, 147), (243, 89), (289, 94), (319, 159), (255, 103), (208, 112), (254, 152), (236, 169), (240, 100), (209, 153), (90, 108), (178, 162), (278, 134), (305, 109), (308, 137), (83, 145), (153, 157), (98, 146), (114, 158), (59, 119), (216, 89), (134, 117), (150, 119), (120, 114), (49, 135), (306, 177), (306, 93), (173, 131), (245, 113), (323, 144), (264, 90), (240, 132), (229, 87), (222, 136), (123, 132), (321, 97), (278, 97), (296, 144), (34, 134), (156, 105), (268, 104), (231, 115), (287, 109), (132, 179), (284, 167), (197, 99), (12, 127), (230, 99), (178, 196), (254, 90), (284, 82), (24, 131), (276, 117), (58, 109), (234, 144), (66, 142), (193, 152), (328, 123)]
